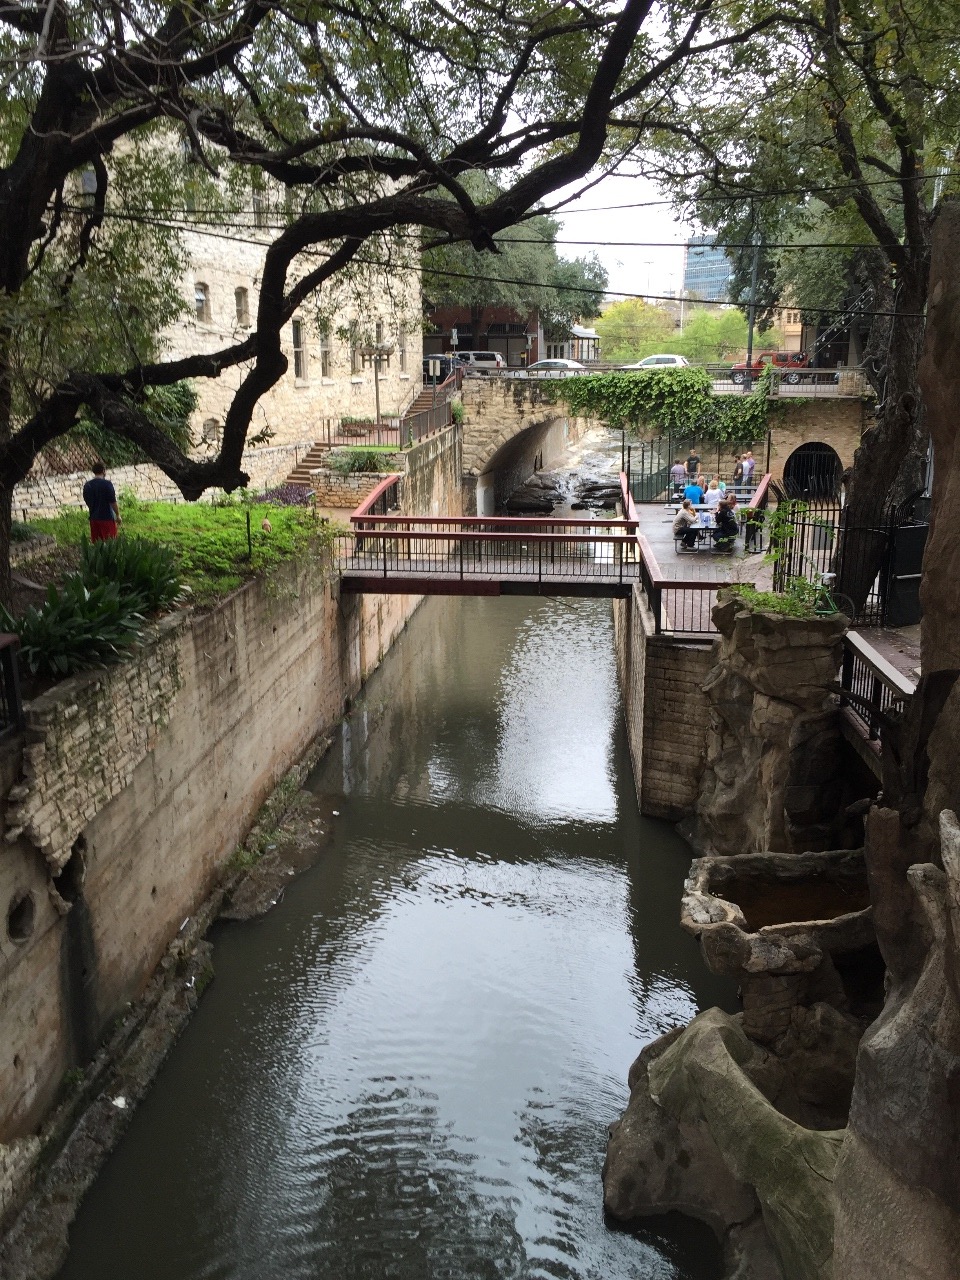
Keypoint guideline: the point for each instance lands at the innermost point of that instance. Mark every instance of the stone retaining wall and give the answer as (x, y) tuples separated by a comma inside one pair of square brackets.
[(48, 495), (662, 681), (135, 787)]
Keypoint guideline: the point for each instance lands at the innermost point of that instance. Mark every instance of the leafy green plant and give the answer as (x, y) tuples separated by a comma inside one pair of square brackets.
[(350, 458), (145, 571), (20, 531), (677, 400), (75, 627), (456, 412), (797, 600)]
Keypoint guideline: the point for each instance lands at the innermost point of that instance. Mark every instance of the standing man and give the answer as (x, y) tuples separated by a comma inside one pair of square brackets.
[(678, 477), (748, 465), (101, 499), (693, 464)]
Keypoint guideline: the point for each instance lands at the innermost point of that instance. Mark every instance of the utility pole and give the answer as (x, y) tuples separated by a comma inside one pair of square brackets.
[(751, 314)]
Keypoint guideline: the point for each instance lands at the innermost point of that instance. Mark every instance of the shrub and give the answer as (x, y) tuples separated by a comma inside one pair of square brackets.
[(20, 531), (456, 412), (75, 627), (146, 573), (288, 495), (348, 459)]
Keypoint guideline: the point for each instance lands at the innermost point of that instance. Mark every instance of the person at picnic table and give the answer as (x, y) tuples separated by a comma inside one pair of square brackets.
[(726, 527), (693, 493), (738, 470), (678, 475), (685, 525), (713, 495), (731, 499), (693, 464)]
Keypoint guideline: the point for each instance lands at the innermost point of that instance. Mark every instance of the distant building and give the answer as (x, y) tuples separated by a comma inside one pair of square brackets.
[(706, 270)]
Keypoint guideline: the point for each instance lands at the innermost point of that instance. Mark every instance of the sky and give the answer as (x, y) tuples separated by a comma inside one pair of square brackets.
[(594, 217)]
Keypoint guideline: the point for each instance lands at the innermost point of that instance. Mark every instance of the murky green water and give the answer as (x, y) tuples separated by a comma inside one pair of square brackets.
[(406, 1069)]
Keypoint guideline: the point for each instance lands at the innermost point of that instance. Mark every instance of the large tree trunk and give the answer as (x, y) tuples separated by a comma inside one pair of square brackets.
[(891, 460), (6, 509)]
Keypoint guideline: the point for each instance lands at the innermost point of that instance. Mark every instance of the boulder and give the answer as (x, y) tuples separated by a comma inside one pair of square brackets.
[(699, 1135)]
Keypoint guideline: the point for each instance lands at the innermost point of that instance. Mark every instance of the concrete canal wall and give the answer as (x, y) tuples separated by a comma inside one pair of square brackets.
[(662, 682), (132, 791)]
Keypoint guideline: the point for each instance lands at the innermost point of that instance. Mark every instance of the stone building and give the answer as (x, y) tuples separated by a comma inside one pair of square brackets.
[(346, 350)]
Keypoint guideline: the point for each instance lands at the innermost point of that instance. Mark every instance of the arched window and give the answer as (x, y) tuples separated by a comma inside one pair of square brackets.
[(201, 298), (243, 306)]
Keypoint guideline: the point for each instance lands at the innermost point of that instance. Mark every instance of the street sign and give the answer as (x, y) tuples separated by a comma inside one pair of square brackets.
[(453, 337), (434, 366)]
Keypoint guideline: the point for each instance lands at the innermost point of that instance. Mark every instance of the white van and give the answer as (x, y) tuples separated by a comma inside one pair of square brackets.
[(480, 361)]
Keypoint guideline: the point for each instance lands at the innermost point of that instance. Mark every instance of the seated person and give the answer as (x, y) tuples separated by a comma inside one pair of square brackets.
[(686, 524), (726, 527), (713, 495), (678, 477), (693, 493)]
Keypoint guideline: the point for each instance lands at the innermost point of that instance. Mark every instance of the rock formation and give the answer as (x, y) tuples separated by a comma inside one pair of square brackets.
[(772, 779)]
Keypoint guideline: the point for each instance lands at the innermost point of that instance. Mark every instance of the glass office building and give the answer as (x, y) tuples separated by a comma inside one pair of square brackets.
[(706, 270)]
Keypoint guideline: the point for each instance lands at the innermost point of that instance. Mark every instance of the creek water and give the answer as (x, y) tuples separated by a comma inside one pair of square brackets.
[(407, 1067)]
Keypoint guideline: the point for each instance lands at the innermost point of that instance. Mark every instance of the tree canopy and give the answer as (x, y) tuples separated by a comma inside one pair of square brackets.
[(368, 116), (523, 273)]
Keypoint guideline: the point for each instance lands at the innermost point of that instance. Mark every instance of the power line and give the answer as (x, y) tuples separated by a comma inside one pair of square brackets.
[(488, 279)]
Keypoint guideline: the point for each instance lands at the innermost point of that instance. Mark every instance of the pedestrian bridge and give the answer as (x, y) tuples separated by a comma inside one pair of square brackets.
[(391, 553)]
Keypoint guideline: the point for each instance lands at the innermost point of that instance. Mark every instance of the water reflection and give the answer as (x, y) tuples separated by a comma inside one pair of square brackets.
[(406, 1069)]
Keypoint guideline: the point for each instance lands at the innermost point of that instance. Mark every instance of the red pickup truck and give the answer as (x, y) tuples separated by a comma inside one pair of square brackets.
[(794, 366)]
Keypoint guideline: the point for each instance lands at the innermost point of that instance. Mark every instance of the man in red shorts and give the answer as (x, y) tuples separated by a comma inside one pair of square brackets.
[(101, 499)]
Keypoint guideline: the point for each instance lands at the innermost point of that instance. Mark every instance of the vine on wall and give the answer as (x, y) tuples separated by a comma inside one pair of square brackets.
[(677, 400)]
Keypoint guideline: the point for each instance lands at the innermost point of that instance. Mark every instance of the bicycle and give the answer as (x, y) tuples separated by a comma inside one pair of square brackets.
[(828, 602)]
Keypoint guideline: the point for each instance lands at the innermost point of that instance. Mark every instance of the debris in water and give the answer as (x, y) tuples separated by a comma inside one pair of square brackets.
[(119, 1102), (336, 813)]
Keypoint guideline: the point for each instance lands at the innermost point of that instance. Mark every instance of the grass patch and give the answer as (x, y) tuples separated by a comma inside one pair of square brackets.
[(797, 601), (210, 542)]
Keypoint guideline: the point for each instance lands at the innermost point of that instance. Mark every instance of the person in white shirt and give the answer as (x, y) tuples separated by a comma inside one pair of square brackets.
[(713, 496), (749, 463)]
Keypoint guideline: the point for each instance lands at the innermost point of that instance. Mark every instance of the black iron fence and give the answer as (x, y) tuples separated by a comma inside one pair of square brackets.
[(870, 688), (648, 462), (815, 535)]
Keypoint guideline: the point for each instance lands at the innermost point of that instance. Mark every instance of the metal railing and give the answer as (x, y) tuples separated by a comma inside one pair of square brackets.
[(11, 703), (870, 687), (478, 547), (678, 606)]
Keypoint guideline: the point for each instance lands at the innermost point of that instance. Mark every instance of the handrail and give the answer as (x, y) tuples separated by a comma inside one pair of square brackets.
[(371, 498), (507, 522), (895, 680), (432, 535), (759, 498)]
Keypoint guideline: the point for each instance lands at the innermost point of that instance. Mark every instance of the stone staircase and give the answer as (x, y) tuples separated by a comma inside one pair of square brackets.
[(312, 459)]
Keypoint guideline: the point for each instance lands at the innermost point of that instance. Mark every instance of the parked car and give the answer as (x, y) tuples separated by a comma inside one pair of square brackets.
[(480, 361), (447, 365), (659, 362), (794, 366), (557, 368)]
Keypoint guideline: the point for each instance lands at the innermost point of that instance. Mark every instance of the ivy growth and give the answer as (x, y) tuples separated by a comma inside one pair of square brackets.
[(677, 400)]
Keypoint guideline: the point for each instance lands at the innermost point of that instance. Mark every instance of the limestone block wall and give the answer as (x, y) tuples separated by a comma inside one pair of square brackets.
[(432, 480), (838, 422), (321, 382), (498, 409), (343, 492), (136, 787), (662, 681), (46, 496)]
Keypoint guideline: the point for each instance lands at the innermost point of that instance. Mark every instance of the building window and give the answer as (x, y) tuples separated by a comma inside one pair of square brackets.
[(201, 301), (356, 360), (210, 432), (243, 306), (402, 347), (299, 352), (325, 354), (379, 334), (261, 206)]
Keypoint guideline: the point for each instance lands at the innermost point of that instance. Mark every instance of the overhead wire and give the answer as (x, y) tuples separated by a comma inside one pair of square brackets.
[(488, 279)]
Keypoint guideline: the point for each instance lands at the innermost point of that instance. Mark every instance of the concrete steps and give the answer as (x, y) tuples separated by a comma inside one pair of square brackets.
[(312, 459)]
